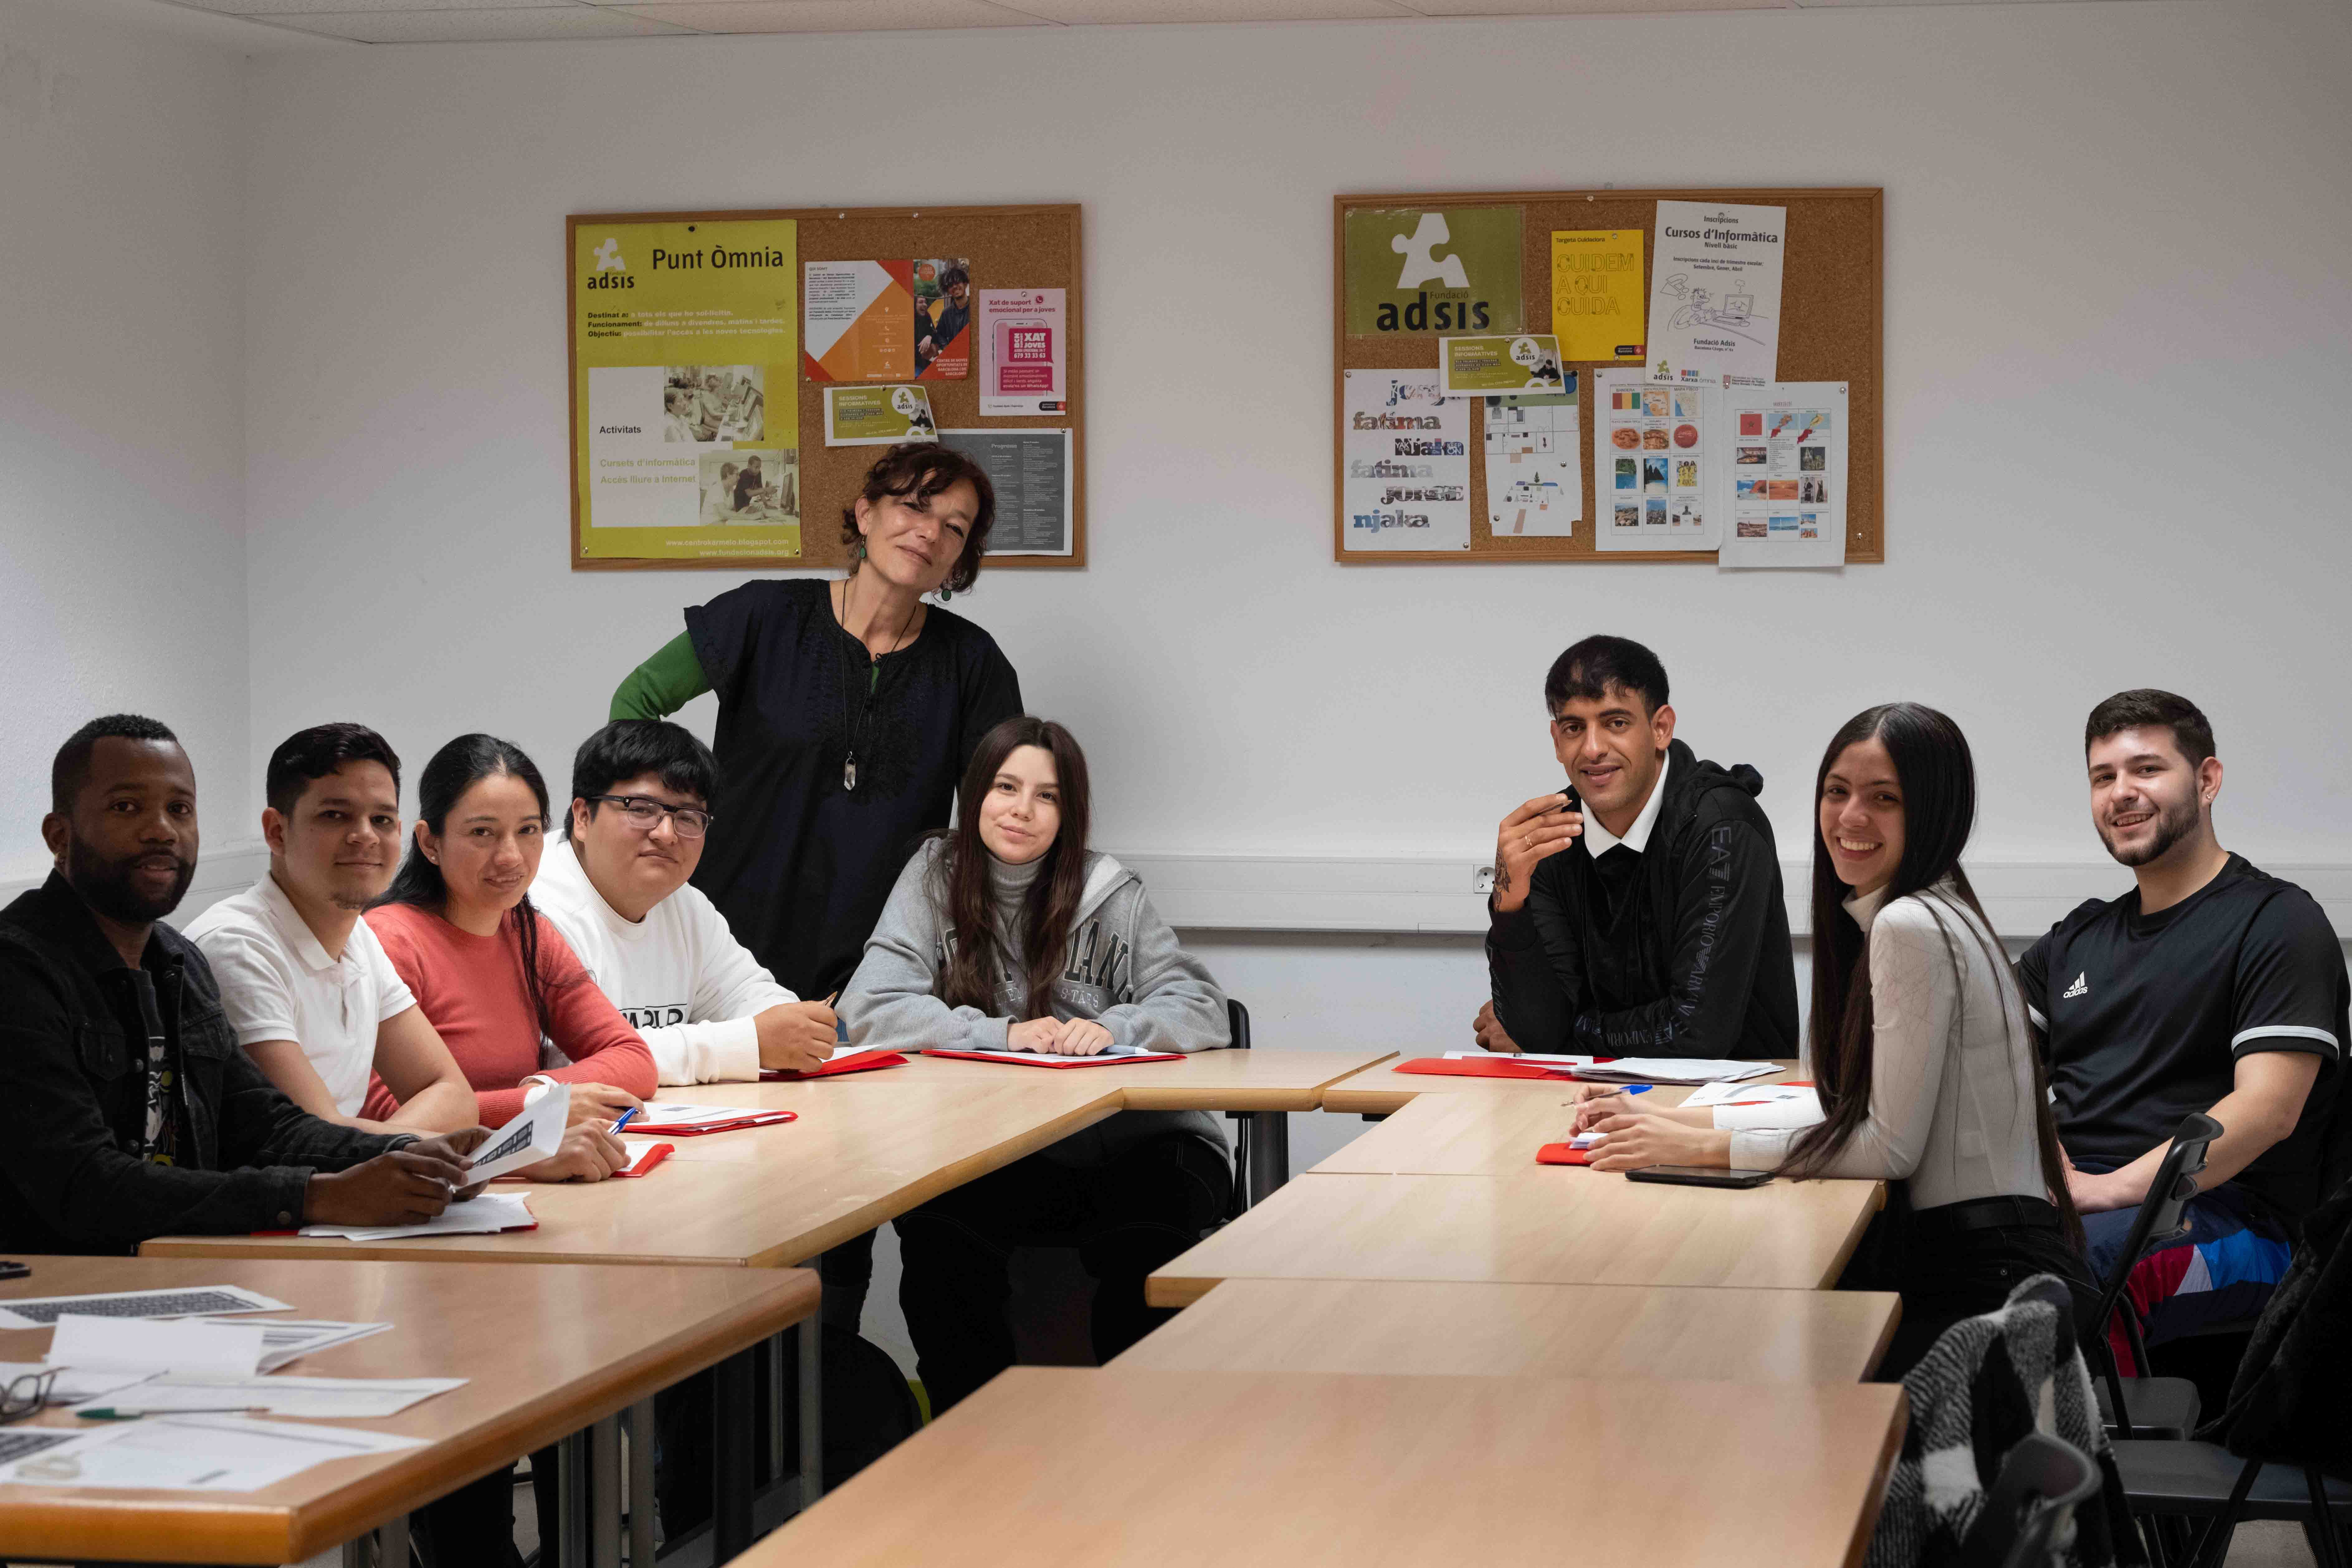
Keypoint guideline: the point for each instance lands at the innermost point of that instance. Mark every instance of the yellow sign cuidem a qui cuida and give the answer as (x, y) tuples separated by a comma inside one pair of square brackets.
[(684, 406)]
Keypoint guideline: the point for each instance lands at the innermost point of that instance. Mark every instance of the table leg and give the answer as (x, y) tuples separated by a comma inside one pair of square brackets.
[(641, 1484), (1268, 1132), (732, 1407), (772, 1355), (604, 1493), (571, 1503), (391, 1542), (812, 1350)]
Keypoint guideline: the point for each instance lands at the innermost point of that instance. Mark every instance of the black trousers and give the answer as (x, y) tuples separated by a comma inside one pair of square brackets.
[(1125, 1219), (472, 1527), (1959, 1260)]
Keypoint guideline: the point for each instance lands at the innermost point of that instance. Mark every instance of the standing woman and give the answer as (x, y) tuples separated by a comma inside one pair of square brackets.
[(1928, 1076), (846, 714)]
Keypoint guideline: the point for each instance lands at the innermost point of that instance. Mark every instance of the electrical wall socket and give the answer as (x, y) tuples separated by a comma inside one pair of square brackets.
[(1482, 879)]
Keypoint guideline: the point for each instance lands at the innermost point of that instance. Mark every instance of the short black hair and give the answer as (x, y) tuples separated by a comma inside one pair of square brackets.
[(2144, 707), (1590, 667), (70, 770), (953, 275), (631, 748), (309, 755)]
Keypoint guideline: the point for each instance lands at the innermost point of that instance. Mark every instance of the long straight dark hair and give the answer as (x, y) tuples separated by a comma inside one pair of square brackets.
[(455, 769), (1938, 779), (960, 878)]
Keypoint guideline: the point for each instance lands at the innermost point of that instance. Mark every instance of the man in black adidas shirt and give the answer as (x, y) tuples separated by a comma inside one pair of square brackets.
[(2210, 987), (1665, 933)]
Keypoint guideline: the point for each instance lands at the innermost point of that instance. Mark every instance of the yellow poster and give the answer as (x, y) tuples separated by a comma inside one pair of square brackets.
[(1597, 301), (684, 406)]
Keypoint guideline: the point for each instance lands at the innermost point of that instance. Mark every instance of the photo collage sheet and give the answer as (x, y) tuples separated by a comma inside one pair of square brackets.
[(689, 338), (1696, 445)]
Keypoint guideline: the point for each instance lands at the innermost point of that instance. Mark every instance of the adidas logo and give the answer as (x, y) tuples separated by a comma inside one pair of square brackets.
[(2082, 986)]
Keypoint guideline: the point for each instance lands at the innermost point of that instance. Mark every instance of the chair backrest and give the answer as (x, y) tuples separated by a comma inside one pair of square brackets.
[(2027, 1520), (1238, 1017), (2168, 1194)]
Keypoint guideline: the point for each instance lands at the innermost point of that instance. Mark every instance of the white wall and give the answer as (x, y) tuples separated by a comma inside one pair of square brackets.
[(122, 415)]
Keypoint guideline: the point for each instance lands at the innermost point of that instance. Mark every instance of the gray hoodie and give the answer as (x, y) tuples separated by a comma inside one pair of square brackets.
[(1126, 972)]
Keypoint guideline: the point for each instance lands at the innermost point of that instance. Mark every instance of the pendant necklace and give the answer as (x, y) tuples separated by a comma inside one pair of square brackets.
[(855, 728)]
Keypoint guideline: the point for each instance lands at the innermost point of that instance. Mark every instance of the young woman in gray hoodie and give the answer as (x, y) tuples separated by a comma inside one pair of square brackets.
[(1004, 932)]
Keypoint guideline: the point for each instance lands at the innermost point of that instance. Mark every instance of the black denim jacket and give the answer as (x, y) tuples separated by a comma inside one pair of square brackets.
[(73, 1097)]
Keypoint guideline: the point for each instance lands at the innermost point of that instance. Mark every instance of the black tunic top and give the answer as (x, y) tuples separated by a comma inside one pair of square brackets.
[(801, 867)]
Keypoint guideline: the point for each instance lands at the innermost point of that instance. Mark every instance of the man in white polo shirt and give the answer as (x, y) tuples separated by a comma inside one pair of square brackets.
[(309, 990), (617, 887)]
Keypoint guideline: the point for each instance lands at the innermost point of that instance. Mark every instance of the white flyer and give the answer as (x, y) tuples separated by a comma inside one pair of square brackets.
[(325, 1397), (184, 1344), (1534, 480), (1715, 294), (1405, 460), (1655, 453), (195, 1453), (1787, 475), (1024, 365), (533, 1136)]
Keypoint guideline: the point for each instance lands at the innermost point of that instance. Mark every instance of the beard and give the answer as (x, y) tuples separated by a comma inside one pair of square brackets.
[(2175, 821), (107, 885)]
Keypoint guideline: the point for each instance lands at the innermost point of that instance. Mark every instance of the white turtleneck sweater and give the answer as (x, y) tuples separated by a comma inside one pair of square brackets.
[(1952, 1092)]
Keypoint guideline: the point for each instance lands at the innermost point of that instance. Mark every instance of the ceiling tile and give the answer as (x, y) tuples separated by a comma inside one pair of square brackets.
[(506, 23), (829, 15), (1584, 7), (297, 7), (1125, 11)]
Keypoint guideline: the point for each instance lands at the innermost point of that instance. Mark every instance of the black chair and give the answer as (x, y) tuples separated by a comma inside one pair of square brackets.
[(2147, 1407), (2192, 1480), (1237, 1019), (2028, 1517)]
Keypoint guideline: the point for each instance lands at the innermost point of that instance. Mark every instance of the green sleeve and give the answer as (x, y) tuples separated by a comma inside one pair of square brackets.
[(663, 684)]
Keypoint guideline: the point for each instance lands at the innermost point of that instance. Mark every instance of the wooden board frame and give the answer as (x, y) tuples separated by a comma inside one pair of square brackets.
[(1033, 247), (1836, 237)]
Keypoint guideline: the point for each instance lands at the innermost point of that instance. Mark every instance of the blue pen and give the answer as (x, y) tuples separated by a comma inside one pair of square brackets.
[(623, 1121)]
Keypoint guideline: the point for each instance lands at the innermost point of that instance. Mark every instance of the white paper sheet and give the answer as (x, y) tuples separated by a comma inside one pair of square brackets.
[(1672, 1071), (1405, 463), (678, 1113), (483, 1215), (1715, 294), (1655, 453), (319, 1397), (1535, 473), (175, 1302), (1786, 478), (1538, 1057), (196, 1453), (1763, 1093), (289, 1339), (184, 1345), (533, 1136)]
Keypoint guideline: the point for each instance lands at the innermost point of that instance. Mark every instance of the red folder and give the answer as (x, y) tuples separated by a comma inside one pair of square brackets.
[(654, 1155), (1471, 1067), (1028, 1059), (864, 1061), (753, 1116), (1563, 1154)]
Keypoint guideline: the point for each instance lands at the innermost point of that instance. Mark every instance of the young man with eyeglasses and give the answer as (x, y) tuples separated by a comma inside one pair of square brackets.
[(615, 885)]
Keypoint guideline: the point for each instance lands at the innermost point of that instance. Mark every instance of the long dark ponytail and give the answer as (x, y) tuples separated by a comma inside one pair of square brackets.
[(1938, 778), (455, 769), (960, 878)]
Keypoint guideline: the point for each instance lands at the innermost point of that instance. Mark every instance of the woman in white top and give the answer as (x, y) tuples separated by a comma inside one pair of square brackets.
[(1926, 1075)]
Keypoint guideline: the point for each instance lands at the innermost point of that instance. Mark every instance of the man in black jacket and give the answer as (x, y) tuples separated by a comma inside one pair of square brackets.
[(127, 1110), (1664, 934)]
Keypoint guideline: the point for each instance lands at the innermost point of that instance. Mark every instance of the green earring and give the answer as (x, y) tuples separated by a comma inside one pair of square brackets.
[(945, 594)]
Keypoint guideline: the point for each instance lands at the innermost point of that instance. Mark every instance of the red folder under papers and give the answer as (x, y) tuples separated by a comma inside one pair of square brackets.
[(1563, 1154), (646, 1160), (1501, 1066), (753, 1116), (862, 1061), (1034, 1060)]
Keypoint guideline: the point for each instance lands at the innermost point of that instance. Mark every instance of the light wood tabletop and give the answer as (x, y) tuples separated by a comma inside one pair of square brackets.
[(1261, 1079), (1430, 1327), (1554, 1224), (1469, 1135), (759, 1197), (546, 1352), (1050, 1466), (1379, 1090)]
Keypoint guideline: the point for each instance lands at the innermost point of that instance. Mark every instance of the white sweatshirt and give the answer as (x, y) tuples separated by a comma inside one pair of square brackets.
[(679, 975), (1952, 1091)]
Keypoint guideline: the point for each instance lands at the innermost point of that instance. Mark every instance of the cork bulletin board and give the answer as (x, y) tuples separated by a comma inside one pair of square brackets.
[(1006, 247), (1831, 330)]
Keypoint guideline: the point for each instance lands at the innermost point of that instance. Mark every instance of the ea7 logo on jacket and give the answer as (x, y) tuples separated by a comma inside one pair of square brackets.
[(2082, 986)]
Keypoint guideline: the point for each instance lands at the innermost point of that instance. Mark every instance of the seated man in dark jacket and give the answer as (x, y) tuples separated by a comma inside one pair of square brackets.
[(1664, 933), (127, 1110)]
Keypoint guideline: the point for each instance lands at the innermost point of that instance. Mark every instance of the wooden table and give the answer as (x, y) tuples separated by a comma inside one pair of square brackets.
[(1261, 1086), (1382, 1090), (1050, 1466), (548, 1350), (762, 1197), (1438, 1328), (1553, 1225), (1469, 1135)]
